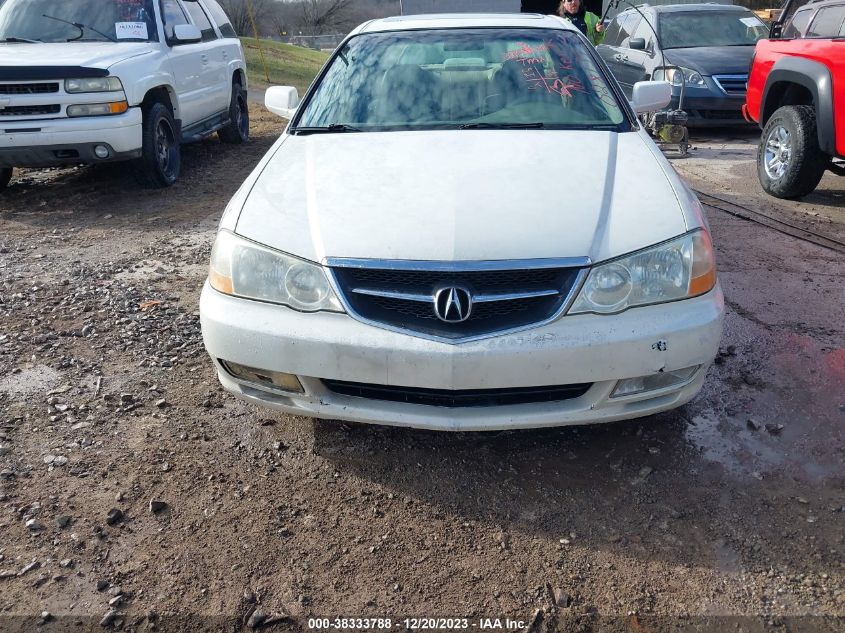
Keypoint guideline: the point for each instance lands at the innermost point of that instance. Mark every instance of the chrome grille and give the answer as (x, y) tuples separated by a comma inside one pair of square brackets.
[(516, 296), (28, 89), (731, 84)]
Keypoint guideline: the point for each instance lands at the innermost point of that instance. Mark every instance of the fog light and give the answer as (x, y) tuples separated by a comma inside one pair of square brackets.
[(653, 382), (101, 151), (263, 377)]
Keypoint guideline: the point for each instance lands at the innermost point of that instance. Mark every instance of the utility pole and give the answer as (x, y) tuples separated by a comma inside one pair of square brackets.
[(257, 39)]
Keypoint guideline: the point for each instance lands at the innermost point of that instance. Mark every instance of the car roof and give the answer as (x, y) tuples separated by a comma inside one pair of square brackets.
[(464, 20), (676, 8), (815, 4)]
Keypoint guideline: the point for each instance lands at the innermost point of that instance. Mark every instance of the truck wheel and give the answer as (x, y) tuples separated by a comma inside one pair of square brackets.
[(161, 157), (790, 162), (5, 176), (237, 131)]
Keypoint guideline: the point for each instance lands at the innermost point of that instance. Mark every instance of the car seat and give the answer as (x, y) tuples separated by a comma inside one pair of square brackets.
[(409, 94)]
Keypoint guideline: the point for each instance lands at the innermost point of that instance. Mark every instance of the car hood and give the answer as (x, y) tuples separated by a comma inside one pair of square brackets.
[(463, 195), (87, 54), (713, 60)]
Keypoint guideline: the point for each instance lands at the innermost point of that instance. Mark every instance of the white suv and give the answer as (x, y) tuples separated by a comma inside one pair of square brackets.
[(84, 81)]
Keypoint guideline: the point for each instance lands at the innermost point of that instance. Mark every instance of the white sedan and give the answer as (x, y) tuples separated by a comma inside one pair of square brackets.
[(464, 227)]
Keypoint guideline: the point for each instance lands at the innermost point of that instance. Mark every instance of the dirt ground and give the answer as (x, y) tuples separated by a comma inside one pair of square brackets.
[(727, 514)]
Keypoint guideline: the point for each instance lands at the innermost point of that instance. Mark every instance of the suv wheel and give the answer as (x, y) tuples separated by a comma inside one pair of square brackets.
[(5, 176), (790, 162), (237, 131), (161, 157)]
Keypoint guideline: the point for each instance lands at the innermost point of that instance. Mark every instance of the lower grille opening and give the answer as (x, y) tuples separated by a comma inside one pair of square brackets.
[(719, 114), (460, 398), (34, 110)]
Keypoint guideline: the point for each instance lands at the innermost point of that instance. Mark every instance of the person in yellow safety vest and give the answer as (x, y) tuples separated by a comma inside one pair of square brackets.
[(588, 23)]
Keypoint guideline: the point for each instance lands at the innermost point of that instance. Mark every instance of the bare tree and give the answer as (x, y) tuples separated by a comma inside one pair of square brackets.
[(326, 16), (238, 12)]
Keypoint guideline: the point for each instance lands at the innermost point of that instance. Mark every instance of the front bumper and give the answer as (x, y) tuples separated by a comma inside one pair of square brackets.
[(710, 107), (70, 141), (574, 349)]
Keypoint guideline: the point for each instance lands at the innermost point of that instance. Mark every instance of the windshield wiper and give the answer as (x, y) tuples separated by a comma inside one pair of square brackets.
[(79, 26), (502, 126), (19, 40), (333, 128)]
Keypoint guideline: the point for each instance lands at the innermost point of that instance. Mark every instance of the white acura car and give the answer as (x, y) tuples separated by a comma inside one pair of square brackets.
[(463, 227)]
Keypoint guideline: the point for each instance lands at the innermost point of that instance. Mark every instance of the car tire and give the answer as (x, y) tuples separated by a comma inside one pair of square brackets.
[(5, 176), (790, 163), (161, 155), (236, 132)]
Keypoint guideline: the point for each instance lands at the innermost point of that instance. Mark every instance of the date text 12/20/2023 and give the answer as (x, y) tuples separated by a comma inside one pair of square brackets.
[(415, 624)]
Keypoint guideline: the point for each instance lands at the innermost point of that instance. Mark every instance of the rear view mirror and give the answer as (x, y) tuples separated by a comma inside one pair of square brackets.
[(282, 100), (637, 43), (186, 34), (651, 96)]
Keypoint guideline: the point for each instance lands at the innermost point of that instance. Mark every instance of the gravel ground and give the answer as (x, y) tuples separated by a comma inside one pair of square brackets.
[(136, 495)]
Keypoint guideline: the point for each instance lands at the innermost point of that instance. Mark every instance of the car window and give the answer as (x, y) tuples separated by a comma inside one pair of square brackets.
[(628, 27), (794, 7), (645, 32), (798, 24), (219, 16), (827, 22), (451, 78), (690, 29), (613, 37), (173, 15), (200, 20), (51, 21)]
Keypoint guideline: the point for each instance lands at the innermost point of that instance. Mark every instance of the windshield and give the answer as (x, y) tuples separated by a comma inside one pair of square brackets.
[(453, 78), (99, 20), (710, 28)]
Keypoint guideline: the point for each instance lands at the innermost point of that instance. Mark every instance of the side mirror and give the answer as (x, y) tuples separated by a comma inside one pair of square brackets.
[(186, 34), (651, 96), (282, 100), (637, 43)]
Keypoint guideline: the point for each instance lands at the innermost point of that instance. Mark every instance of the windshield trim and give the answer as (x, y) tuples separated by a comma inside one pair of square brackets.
[(629, 124), (455, 127)]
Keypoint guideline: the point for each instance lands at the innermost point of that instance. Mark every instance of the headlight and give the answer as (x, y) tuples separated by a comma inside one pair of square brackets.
[(93, 84), (245, 269), (681, 268), (692, 77), (97, 109)]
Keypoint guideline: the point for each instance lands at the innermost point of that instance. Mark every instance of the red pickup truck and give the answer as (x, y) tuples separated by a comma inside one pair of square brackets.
[(796, 92)]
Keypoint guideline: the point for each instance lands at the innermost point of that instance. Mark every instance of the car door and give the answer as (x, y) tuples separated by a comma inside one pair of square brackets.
[(216, 83), (612, 50), (636, 64), (186, 64), (607, 49), (230, 45), (628, 63)]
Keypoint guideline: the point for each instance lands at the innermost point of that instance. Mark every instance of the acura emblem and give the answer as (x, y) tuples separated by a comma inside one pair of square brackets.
[(452, 304)]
